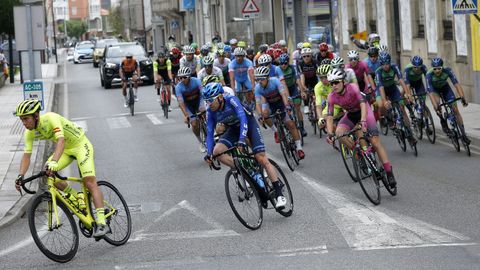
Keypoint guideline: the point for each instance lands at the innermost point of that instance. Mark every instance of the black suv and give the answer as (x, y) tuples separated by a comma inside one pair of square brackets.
[(113, 57)]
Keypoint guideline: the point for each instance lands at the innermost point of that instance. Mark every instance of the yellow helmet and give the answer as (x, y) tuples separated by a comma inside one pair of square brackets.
[(307, 45), (28, 106)]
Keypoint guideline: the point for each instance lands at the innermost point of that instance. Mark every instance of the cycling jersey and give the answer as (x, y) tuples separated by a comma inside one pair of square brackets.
[(223, 66), (190, 93), (192, 64), (240, 71), (321, 94), (175, 60), (387, 78), (309, 72), (240, 125), (290, 76), (215, 71), (271, 92), (372, 66), (435, 82), (297, 57), (360, 69), (276, 72), (162, 68), (350, 75), (319, 58), (129, 66), (412, 76)]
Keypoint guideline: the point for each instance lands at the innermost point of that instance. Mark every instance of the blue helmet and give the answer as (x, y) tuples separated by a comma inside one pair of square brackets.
[(417, 61), (437, 62), (385, 58), (284, 58), (212, 90), (227, 48)]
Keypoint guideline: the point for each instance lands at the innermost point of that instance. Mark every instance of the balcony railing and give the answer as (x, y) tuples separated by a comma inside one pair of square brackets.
[(159, 6)]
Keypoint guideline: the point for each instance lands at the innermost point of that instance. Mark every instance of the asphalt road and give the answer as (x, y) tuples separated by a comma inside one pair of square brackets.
[(182, 220)]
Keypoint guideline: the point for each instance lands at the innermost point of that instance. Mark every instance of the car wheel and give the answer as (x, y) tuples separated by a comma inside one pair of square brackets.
[(107, 85), (101, 81), (95, 64)]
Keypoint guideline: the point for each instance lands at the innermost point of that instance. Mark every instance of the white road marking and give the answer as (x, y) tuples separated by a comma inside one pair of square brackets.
[(82, 124), (365, 226), (118, 122), (22, 243), (154, 119)]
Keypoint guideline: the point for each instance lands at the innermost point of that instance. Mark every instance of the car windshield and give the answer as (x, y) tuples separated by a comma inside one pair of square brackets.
[(121, 51), (105, 42), (85, 46)]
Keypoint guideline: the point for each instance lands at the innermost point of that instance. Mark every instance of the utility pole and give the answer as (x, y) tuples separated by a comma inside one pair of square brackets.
[(54, 33)]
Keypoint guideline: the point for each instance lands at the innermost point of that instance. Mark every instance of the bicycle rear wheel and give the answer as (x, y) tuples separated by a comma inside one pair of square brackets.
[(164, 101), (287, 192), (347, 157), (58, 241), (285, 147), (383, 125), (454, 138), (244, 200), (400, 135), (131, 101), (366, 178), (428, 125), (120, 222), (417, 128)]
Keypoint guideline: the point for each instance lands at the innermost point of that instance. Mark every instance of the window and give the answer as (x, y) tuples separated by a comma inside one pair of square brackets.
[(448, 21), (74, 11), (418, 18), (371, 15)]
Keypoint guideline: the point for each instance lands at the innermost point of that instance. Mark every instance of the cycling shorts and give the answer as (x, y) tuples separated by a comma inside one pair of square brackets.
[(83, 153), (391, 92), (194, 107), (418, 86), (231, 136), (293, 91), (274, 107), (166, 79), (351, 119), (128, 75), (246, 85), (446, 93)]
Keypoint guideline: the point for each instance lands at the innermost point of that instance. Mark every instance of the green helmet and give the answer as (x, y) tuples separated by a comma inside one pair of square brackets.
[(209, 79), (28, 106), (194, 45), (323, 70)]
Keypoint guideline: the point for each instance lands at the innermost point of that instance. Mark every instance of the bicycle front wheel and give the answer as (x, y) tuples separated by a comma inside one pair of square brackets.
[(131, 101), (287, 192), (244, 200), (286, 149), (400, 135), (57, 240), (429, 125), (120, 222), (367, 179), (347, 157)]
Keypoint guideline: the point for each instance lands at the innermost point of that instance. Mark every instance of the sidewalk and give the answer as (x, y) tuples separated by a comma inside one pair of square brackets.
[(12, 205)]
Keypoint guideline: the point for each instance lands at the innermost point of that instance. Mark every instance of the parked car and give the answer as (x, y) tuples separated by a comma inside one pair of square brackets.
[(100, 48), (83, 53), (113, 57), (317, 34)]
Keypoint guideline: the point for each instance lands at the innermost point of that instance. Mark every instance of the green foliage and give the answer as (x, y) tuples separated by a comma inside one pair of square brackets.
[(6, 16), (116, 21), (76, 28)]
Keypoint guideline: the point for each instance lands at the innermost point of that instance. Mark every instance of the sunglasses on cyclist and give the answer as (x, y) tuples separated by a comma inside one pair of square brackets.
[(183, 77), (286, 63), (208, 66), (260, 79), (323, 77), (211, 100), (416, 66), (353, 59), (437, 68), (306, 56), (335, 82), (323, 50)]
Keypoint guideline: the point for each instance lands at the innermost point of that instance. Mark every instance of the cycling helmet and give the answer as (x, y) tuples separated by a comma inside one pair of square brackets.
[(212, 90), (239, 51), (188, 50), (323, 70), (385, 58), (270, 52), (184, 71), (194, 45), (171, 37), (175, 50), (284, 59), (207, 60), (242, 44), (275, 46), (437, 62), (326, 61), (417, 61), (383, 48), (250, 51), (300, 45), (160, 54), (263, 48), (28, 106), (307, 45), (204, 48), (337, 62), (264, 59), (262, 72), (353, 55), (335, 75), (128, 55), (209, 45), (306, 50), (372, 51), (220, 45), (323, 47), (233, 41), (220, 52), (227, 48), (373, 37), (277, 53), (210, 79), (282, 43)]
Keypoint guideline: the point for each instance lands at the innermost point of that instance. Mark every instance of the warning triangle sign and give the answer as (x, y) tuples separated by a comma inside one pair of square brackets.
[(250, 7), (462, 6)]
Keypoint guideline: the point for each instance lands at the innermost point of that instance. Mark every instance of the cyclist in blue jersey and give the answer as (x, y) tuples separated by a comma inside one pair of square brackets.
[(386, 78), (438, 88), (241, 77), (266, 61), (271, 96), (414, 73), (241, 125), (188, 92)]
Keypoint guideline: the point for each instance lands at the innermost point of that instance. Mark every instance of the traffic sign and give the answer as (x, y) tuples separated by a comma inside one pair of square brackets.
[(174, 24), (250, 7), (33, 90), (465, 6)]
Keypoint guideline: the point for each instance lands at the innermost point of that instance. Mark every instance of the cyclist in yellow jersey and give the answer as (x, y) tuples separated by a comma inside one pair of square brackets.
[(322, 89), (71, 144), (162, 70)]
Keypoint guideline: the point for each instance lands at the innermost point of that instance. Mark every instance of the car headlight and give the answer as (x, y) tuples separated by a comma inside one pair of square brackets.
[(110, 65)]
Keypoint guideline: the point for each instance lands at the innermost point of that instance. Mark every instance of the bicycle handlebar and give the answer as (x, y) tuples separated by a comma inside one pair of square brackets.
[(35, 176), (450, 102)]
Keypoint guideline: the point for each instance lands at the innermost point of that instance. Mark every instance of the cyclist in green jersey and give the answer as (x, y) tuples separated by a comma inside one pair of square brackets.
[(162, 69), (322, 90), (71, 144)]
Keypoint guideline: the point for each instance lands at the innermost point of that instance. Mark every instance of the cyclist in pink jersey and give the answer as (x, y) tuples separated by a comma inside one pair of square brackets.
[(358, 112), (361, 71)]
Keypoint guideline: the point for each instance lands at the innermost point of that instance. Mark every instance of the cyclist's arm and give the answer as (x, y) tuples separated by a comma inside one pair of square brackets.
[(302, 83), (251, 76), (138, 70), (455, 82), (211, 120), (59, 149), (318, 99), (400, 80), (57, 128), (169, 70), (235, 102), (25, 163), (284, 93), (330, 103), (259, 99)]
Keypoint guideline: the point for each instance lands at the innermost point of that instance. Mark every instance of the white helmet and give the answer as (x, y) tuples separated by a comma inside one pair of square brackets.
[(337, 62), (264, 59), (373, 37), (188, 49), (239, 51), (382, 48), (233, 41), (262, 72), (353, 54), (336, 75), (300, 45), (207, 60), (282, 42), (306, 51), (184, 71)]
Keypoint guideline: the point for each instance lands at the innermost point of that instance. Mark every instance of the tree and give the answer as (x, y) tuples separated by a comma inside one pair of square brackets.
[(6, 19), (76, 28), (116, 21)]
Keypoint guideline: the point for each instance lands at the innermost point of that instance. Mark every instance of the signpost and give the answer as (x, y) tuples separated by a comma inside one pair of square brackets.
[(33, 90), (465, 6), (250, 10)]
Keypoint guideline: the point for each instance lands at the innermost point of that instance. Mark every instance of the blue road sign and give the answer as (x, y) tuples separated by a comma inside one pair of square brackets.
[(465, 6), (33, 90), (189, 4)]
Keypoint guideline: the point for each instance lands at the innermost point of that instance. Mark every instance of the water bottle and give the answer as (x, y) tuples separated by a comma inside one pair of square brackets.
[(451, 119), (81, 201), (258, 179), (399, 121)]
